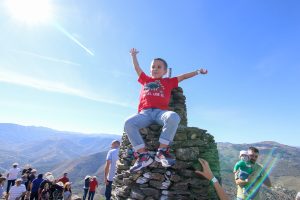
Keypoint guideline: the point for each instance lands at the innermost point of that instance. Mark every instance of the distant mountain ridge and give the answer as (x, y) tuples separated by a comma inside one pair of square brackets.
[(45, 147), (18, 133)]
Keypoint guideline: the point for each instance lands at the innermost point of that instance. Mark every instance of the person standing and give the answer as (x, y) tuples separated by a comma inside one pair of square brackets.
[(12, 175), (34, 187), (257, 176), (64, 179), (86, 186), (46, 187), (92, 188), (67, 191), (110, 167)]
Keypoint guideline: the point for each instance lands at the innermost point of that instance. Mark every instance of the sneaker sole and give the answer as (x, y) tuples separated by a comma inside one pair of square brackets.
[(142, 166), (162, 163)]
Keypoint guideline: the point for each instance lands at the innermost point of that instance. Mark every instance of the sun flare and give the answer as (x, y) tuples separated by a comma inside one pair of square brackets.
[(30, 11)]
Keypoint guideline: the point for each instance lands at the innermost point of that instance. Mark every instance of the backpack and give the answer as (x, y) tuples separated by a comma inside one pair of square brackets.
[(46, 192), (57, 192)]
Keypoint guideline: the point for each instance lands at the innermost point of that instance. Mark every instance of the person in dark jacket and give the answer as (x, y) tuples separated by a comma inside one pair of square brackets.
[(34, 187), (86, 186)]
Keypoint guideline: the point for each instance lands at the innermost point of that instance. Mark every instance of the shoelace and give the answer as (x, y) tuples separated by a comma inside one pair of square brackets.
[(138, 155), (166, 152)]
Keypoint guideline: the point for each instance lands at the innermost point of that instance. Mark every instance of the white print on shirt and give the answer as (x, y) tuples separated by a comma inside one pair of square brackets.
[(154, 89)]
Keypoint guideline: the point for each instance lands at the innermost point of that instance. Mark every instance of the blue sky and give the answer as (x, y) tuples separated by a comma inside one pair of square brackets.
[(73, 71)]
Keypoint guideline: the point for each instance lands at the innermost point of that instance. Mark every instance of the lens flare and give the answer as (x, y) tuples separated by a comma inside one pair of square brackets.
[(30, 11), (269, 164)]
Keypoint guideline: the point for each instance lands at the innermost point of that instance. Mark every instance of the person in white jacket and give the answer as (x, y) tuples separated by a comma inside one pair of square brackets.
[(12, 175)]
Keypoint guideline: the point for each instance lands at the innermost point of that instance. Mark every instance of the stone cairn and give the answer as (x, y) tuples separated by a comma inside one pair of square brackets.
[(178, 181)]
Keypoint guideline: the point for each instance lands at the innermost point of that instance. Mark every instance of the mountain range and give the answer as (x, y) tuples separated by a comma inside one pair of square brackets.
[(82, 154), (46, 148)]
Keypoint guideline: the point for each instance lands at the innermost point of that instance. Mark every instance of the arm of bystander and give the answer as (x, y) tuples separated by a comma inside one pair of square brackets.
[(207, 173)]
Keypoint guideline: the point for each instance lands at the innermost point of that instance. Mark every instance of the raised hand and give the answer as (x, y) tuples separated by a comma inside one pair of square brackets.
[(134, 51), (203, 71), (135, 62)]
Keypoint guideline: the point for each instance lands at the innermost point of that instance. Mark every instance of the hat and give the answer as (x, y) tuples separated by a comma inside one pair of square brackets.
[(27, 166), (33, 170), (87, 176), (61, 184), (19, 180), (15, 164), (49, 177), (243, 152), (48, 173)]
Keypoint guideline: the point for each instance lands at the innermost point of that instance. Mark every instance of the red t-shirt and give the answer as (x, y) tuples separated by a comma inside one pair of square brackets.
[(93, 185), (64, 180), (156, 92)]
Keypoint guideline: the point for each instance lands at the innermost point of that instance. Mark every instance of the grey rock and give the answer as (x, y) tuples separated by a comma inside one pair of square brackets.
[(137, 194), (155, 184), (151, 192), (165, 185), (142, 180), (157, 176), (187, 154), (76, 197)]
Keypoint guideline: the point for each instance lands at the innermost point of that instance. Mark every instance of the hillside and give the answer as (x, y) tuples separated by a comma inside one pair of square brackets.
[(45, 148), (77, 169), (285, 173)]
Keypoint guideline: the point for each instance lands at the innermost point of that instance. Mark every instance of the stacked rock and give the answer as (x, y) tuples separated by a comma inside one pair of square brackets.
[(178, 181), (177, 104)]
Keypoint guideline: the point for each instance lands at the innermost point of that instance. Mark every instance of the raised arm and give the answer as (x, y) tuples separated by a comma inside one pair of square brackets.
[(207, 173), (191, 74), (135, 62)]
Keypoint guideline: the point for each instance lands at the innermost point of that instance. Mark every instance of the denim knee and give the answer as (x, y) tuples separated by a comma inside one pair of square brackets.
[(173, 118), (129, 124)]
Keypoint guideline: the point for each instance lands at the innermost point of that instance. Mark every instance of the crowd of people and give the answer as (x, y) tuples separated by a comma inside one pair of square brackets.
[(28, 184), (89, 188)]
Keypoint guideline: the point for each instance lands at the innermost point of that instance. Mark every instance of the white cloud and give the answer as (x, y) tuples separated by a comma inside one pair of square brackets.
[(63, 61), (51, 86)]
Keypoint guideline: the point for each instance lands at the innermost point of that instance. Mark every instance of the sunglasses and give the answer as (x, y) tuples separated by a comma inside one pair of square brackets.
[(252, 155)]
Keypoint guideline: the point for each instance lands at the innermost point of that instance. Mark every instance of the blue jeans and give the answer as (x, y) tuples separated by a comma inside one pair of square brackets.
[(108, 190), (85, 191), (10, 183), (168, 119), (91, 195)]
